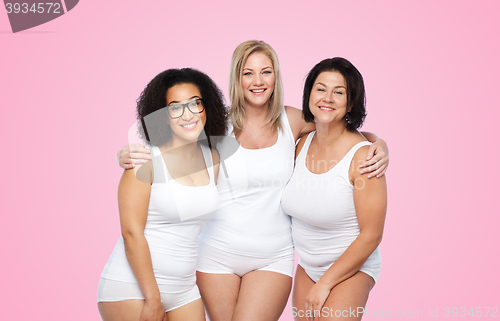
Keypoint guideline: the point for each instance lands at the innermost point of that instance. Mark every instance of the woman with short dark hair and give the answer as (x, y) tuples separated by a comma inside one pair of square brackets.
[(337, 213)]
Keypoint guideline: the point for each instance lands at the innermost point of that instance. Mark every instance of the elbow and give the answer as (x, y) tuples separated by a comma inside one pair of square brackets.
[(130, 236), (373, 239)]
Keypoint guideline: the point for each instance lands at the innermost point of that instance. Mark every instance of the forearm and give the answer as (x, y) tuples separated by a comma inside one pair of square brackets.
[(139, 258), (350, 261)]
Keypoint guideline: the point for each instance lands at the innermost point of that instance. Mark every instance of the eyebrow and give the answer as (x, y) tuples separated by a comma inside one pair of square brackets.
[(320, 83), (176, 102), (267, 67)]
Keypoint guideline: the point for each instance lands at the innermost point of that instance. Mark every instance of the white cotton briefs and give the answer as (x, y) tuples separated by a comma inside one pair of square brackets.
[(176, 216), (251, 232), (324, 221)]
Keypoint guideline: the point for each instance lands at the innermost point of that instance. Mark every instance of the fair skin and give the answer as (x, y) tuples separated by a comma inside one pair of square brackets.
[(184, 158), (226, 296), (342, 286)]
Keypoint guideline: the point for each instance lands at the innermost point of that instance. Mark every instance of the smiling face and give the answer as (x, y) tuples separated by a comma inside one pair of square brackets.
[(328, 98), (258, 80), (187, 127)]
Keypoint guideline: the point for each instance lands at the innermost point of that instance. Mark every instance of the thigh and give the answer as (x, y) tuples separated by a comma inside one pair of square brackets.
[(192, 311), (128, 310), (348, 298), (219, 293), (263, 296), (302, 284)]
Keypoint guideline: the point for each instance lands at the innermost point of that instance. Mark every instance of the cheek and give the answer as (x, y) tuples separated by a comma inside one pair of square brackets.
[(245, 82), (203, 117)]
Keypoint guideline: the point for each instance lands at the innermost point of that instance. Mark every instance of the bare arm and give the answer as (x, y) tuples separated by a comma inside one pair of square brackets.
[(133, 202), (370, 200), (297, 122)]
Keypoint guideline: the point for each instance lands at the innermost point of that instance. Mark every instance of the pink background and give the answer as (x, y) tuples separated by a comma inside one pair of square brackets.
[(68, 91)]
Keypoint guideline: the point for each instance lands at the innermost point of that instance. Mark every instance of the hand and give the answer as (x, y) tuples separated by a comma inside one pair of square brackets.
[(315, 300), (133, 154), (153, 310), (377, 159)]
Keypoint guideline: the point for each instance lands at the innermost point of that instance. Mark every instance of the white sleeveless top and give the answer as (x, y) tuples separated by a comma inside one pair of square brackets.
[(251, 181), (324, 220), (176, 216)]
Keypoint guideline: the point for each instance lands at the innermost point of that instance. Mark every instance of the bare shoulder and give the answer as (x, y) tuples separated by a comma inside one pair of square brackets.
[(297, 123), (354, 172), (293, 112), (144, 172)]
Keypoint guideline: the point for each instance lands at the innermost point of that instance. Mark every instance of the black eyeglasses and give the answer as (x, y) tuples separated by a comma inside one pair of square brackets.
[(195, 106)]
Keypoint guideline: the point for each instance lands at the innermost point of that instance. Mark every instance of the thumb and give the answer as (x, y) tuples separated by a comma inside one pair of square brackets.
[(371, 151)]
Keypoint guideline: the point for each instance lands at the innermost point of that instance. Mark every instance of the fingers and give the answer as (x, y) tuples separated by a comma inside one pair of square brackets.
[(371, 151), (138, 148), (312, 311), (374, 168), (140, 157), (133, 154), (128, 166), (379, 172)]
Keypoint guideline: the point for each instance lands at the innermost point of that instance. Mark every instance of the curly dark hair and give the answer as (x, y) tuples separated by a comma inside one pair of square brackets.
[(356, 99), (154, 130)]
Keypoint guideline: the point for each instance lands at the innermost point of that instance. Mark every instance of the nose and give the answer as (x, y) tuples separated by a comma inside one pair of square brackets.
[(257, 80), (328, 97), (187, 115)]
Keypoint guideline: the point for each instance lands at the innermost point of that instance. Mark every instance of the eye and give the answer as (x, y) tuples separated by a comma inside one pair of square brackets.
[(175, 107), (247, 73), (320, 89), (266, 72), (339, 93)]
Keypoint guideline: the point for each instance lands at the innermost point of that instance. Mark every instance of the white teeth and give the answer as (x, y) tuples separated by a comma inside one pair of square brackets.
[(189, 126), (326, 108), (257, 91)]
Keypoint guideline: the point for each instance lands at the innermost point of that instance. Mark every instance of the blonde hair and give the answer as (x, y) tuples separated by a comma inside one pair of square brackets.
[(237, 111)]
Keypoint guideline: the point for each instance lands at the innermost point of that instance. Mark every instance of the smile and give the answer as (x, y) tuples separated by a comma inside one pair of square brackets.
[(257, 91), (190, 125), (326, 108)]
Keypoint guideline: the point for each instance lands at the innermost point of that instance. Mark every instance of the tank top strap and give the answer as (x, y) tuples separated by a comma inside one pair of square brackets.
[(345, 163), (303, 152), (159, 168), (287, 130), (207, 155)]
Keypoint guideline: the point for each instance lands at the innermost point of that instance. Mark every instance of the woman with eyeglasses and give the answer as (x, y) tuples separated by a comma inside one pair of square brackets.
[(246, 261), (165, 203)]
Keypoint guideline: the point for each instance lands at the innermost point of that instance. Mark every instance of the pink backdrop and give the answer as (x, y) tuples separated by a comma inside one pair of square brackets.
[(68, 89)]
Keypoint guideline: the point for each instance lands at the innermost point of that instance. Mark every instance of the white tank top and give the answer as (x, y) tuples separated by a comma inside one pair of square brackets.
[(324, 220), (176, 216), (251, 181)]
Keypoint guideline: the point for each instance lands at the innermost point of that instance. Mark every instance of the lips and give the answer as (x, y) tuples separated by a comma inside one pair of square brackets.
[(190, 125), (325, 108), (257, 91)]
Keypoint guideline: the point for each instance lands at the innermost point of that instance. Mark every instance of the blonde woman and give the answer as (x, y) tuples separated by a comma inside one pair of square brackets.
[(245, 258)]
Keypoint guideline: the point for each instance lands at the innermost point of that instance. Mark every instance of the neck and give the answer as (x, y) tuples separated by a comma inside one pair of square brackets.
[(327, 135), (181, 147), (256, 114)]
